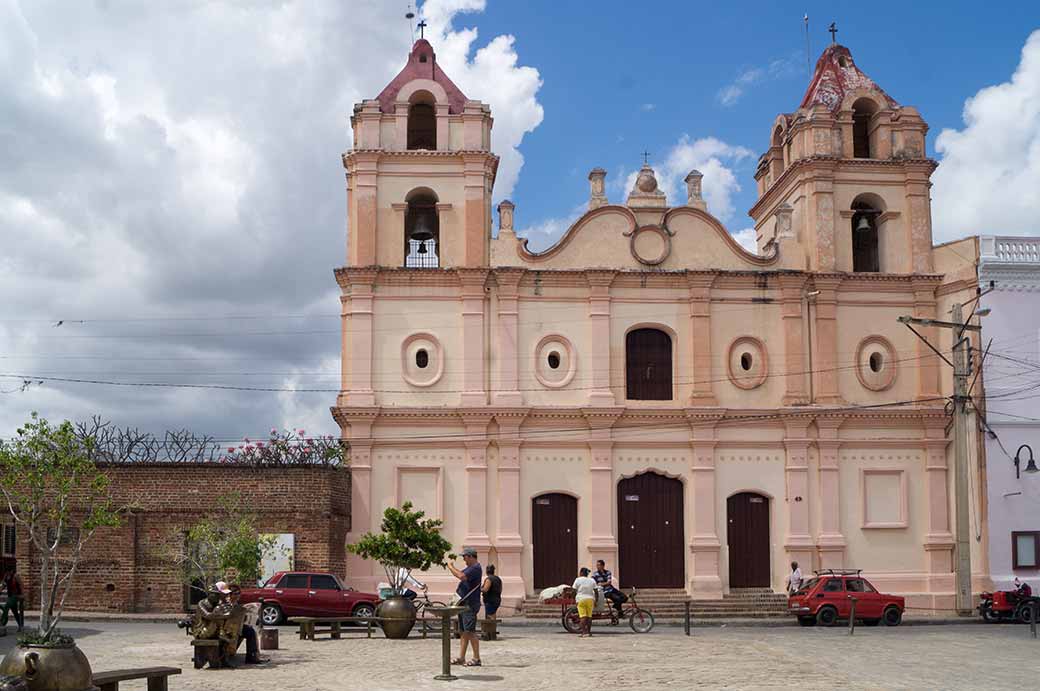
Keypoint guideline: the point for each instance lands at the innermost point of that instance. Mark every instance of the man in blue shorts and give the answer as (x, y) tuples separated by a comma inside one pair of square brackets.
[(468, 591)]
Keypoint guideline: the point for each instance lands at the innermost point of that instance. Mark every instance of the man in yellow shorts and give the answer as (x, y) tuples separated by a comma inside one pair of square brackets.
[(585, 588)]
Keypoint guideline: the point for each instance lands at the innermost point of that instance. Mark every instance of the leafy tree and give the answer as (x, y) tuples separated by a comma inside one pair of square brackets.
[(223, 544), (56, 493), (408, 541)]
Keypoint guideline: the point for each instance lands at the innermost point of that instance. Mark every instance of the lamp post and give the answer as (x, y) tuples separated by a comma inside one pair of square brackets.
[(1030, 464)]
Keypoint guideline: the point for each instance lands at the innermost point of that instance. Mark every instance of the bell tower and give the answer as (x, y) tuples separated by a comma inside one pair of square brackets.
[(845, 183), (420, 175)]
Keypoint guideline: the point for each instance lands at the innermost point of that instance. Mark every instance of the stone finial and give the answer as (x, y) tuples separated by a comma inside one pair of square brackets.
[(693, 190), (646, 192), (505, 215), (597, 188), (783, 221)]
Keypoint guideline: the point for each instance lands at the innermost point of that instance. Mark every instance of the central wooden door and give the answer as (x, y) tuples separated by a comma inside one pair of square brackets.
[(554, 534), (650, 532), (747, 529)]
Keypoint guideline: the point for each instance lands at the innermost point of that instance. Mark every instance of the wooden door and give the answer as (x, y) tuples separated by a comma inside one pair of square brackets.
[(648, 365), (650, 532), (554, 537), (748, 539)]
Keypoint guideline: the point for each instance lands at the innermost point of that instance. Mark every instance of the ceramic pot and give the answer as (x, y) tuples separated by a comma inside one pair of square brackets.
[(398, 615), (50, 668)]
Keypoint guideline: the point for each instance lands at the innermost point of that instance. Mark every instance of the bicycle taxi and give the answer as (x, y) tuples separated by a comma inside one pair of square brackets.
[(640, 620)]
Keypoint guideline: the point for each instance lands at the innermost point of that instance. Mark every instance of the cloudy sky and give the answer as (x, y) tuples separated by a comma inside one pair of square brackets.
[(171, 190)]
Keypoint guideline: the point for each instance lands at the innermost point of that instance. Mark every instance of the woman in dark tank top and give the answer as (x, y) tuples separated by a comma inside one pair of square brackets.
[(492, 590)]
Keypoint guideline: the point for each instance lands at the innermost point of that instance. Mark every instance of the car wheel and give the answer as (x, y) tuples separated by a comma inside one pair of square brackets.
[(892, 616), (989, 615), (871, 622), (807, 621), (1024, 613), (827, 616), (272, 615), (364, 610)]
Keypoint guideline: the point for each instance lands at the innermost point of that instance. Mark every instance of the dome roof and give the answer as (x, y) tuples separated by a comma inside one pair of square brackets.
[(422, 64), (836, 74)]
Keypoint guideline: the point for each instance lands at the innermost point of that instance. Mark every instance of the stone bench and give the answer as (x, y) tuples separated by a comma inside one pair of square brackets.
[(157, 677)]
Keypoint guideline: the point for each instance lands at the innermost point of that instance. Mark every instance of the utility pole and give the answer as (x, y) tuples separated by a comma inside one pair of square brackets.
[(961, 372)]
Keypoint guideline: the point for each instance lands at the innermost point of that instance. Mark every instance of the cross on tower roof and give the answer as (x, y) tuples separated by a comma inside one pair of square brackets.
[(646, 157), (834, 31), (422, 27)]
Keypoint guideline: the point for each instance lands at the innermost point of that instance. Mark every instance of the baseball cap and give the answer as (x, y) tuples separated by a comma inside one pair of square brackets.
[(469, 552), (222, 587)]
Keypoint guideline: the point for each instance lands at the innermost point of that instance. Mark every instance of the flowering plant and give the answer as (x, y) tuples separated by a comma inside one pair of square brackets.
[(289, 447)]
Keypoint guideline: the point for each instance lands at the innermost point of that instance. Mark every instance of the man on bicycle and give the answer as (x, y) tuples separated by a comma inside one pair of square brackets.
[(404, 577), (603, 579)]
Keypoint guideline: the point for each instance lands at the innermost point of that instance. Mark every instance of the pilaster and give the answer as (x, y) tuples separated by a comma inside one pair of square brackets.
[(703, 393), (600, 394), (928, 363), (939, 541), (826, 332), (798, 542), (821, 203), (357, 432), (506, 391), (792, 288), (508, 542), (472, 298), (602, 543), (919, 216), (830, 543), (476, 443), (705, 547), (356, 309), (365, 231)]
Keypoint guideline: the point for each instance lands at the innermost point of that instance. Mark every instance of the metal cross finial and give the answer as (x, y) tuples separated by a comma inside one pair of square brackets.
[(422, 27), (834, 32), (646, 157)]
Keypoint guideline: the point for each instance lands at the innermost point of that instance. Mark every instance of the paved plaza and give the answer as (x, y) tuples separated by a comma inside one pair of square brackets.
[(542, 657)]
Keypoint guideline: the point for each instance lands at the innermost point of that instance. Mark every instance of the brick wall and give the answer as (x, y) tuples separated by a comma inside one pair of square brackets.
[(127, 569)]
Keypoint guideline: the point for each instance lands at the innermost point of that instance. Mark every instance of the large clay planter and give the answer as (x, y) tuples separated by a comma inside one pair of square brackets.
[(398, 615), (50, 668)]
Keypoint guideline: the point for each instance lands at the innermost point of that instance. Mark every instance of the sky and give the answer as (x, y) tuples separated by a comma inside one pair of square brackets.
[(171, 191)]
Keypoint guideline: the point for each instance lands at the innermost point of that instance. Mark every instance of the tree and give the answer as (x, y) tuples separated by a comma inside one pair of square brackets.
[(408, 541), (56, 493), (221, 544)]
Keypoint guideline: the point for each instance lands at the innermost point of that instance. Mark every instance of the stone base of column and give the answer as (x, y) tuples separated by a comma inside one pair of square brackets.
[(939, 550), (508, 567), (700, 399), (507, 399), (356, 399), (706, 579), (603, 547), (830, 550), (602, 399), (800, 548), (473, 399), (832, 399), (795, 400)]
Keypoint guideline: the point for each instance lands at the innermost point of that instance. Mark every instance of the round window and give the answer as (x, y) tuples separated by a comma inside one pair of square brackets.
[(554, 363), (554, 360), (745, 362), (422, 358), (877, 361)]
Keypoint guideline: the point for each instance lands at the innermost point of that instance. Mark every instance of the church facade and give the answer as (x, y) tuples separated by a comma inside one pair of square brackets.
[(646, 391)]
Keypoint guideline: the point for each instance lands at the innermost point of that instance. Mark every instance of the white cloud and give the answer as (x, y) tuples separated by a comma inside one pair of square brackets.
[(648, 107), (746, 238), (184, 162), (988, 177), (544, 234), (730, 94)]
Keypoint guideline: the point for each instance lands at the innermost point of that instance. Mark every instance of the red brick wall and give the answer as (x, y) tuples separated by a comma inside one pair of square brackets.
[(127, 569)]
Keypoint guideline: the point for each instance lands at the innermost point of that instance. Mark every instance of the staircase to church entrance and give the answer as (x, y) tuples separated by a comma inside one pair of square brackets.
[(739, 603)]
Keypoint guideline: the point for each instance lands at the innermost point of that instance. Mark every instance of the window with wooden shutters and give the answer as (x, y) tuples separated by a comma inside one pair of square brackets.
[(648, 365)]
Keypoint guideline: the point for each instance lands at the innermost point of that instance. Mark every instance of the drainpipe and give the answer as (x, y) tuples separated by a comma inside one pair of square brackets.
[(810, 300)]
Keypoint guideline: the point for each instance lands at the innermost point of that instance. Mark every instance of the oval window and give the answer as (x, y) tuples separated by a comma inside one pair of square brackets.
[(876, 362), (745, 362), (422, 358), (554, 360)]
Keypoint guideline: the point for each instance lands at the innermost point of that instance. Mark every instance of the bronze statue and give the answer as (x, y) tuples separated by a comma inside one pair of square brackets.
[(218, 620)]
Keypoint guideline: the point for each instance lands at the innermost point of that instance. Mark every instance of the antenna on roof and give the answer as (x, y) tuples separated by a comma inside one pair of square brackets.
[(808, 61), (409, 15)]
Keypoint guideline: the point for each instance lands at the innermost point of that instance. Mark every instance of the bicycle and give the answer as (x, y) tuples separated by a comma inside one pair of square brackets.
[(639, 619), (421, 603)]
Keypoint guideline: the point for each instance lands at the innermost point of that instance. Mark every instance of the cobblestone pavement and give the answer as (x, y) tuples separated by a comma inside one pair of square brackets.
[(919, 657)]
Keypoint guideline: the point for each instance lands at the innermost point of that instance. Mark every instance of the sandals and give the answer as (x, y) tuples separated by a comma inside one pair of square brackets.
[(458, 661), (473, 663)]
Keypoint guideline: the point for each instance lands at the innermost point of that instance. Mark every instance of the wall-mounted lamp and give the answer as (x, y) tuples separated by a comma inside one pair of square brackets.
[(1030, 464)]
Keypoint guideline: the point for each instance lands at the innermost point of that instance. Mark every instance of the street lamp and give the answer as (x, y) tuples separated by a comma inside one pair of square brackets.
[(1030, 465)]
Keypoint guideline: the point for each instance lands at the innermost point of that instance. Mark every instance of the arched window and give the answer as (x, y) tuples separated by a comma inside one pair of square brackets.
[(862, 111), (866, 210), (422, 122), (421, 231), (648, 365)]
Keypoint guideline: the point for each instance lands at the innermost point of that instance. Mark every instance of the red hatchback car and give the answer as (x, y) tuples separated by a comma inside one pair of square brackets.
[(828, 597), (290, 594)]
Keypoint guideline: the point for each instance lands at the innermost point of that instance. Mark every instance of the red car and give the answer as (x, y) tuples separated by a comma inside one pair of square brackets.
[(826, 598), (290, 594)]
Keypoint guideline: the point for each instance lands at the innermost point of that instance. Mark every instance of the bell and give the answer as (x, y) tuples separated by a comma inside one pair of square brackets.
[(863, 225), (421, 231), (422, 248)]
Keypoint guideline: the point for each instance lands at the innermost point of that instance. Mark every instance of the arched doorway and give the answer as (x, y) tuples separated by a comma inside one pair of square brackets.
[(650, 532), (747, 530), (554, 537)]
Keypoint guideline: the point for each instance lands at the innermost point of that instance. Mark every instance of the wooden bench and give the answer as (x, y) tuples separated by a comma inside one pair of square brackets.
[(488, 629), (156, 676), (309, 626)]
